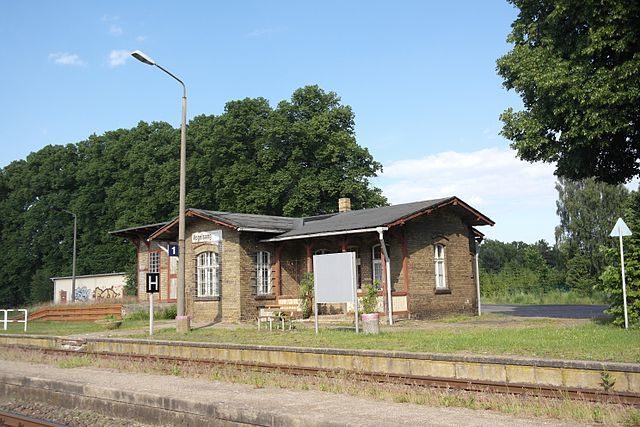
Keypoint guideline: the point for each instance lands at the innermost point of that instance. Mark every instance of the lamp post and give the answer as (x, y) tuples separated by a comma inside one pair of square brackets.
[(182, 321), (73, 262)]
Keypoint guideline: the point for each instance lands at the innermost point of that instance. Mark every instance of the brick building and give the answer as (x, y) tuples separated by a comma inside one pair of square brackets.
[(236, 263)]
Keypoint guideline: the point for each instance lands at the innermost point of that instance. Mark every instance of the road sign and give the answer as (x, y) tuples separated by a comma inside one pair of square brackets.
[(620, 229), (153, 283), (173, 249)]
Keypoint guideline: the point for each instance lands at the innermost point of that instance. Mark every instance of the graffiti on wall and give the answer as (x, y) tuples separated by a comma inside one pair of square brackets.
[(107, 293), (82, 294)]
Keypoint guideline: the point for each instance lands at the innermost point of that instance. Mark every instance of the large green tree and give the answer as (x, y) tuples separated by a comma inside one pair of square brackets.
[(576, 65), (587, 210), (296, 159)]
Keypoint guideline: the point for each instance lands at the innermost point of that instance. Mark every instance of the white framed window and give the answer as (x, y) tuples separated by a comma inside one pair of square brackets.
[(376, 264), (208, 274), (154, 262), (440, 270), (263, 273)]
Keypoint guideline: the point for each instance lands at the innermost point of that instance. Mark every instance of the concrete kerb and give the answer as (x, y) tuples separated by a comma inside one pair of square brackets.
[(495, 369)]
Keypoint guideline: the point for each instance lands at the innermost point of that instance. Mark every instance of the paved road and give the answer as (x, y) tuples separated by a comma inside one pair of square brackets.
[(557, 311)]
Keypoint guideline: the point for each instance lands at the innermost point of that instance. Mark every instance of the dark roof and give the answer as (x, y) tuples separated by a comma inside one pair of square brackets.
[(238, 220), (286, 228), (381, 217), (140, 231)]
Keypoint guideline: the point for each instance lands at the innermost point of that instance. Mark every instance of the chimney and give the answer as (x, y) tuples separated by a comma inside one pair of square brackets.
[(344, 204)]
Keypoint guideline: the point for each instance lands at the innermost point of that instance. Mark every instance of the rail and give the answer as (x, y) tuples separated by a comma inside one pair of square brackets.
[(6, 320)]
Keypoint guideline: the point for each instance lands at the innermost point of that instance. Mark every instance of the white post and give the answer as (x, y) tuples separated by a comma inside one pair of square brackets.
[(624, 284), (315, 309), (478, 280), (150, 314), (5, 319), (26, 316)]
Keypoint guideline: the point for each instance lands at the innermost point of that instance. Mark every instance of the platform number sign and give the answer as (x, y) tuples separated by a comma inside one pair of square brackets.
[(173, 249), (153, 283)]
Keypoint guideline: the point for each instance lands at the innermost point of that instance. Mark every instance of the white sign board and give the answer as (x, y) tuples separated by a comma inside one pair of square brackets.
[(334, 279), (207, 237)]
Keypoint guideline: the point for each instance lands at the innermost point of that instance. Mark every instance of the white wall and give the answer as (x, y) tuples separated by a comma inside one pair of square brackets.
[(91, 287)]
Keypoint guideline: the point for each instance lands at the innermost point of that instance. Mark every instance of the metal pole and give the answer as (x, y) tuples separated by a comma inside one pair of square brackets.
[(73, 262), (624, 284), (181, 215), (182, 321), (150, 314)]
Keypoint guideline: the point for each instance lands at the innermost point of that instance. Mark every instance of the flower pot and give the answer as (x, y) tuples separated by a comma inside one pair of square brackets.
[(371, 323)]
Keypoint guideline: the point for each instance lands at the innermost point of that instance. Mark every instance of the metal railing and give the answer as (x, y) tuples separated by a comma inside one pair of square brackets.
[(6, 319)]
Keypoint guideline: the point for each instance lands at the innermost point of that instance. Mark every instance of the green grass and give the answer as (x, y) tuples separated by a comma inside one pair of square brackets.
[(486, 335), (544, 339), (48, 327), (552, 297)]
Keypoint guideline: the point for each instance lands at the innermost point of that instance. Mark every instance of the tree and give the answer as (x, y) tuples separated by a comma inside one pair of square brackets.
[(576, 65), (612, 281), (297, 159), (587, 211)]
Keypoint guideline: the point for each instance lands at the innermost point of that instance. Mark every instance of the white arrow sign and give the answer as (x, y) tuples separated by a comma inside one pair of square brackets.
[(620, 229)]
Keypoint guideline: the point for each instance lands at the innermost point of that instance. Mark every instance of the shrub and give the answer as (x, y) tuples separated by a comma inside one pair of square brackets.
[(370, 298), (306, 294)]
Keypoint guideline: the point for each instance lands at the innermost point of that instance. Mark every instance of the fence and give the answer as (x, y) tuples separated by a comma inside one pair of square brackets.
[(6, 319)]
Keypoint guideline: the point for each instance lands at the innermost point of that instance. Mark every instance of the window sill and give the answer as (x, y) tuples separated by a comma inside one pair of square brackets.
[(265, 297), (443, 291), (198, 299)]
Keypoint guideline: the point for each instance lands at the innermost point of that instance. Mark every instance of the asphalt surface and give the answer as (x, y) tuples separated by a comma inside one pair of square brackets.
[(553, 311)]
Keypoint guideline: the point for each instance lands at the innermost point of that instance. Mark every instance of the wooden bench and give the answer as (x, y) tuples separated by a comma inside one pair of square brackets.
[(281, 313)]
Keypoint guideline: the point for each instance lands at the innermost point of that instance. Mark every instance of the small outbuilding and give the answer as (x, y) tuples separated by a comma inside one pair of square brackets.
[(98, 287), (237, 263)]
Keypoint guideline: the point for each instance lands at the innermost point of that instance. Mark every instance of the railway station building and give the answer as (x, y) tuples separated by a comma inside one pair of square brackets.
[(237, 263)]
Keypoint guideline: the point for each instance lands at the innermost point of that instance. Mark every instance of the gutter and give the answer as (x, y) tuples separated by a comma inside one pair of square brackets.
[(328, 233), (260, 230)]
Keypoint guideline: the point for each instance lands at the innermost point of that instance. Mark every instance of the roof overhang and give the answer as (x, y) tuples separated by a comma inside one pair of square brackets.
[(138, 232), (325, 234), (473, 216)]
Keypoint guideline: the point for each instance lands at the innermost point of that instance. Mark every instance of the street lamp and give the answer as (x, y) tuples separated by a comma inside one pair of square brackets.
[(182, 321), (73, 262)]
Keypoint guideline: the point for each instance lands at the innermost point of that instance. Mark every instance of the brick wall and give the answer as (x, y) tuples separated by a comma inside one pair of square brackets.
[(422, 234), (226, 307)]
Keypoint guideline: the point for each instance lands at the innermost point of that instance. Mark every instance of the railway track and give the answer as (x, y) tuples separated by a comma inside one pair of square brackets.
[(17, 420), (410, 380)]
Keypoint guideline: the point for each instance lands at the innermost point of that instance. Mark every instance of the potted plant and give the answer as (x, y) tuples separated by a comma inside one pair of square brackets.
[(370, 315)]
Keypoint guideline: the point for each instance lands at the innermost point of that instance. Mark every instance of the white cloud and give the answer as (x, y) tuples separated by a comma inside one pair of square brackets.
[(518, 195), (141, 38), (118, 57), (64, 58), (115, 30)]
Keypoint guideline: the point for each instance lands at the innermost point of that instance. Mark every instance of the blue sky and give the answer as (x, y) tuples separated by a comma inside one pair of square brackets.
[(419, 75)]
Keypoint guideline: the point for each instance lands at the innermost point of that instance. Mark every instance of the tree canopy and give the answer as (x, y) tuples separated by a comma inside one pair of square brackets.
[(296, 159), (576, 66)]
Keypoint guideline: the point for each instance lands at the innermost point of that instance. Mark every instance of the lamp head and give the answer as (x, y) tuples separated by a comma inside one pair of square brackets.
[(140, 56)]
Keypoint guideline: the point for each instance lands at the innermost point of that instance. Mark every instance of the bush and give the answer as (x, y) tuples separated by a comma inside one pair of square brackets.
[(370, 299), (306, 295)]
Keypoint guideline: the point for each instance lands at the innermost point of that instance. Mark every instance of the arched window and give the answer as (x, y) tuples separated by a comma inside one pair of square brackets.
[(263, 273), (441, 278), (321, 251), (208, 274)]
